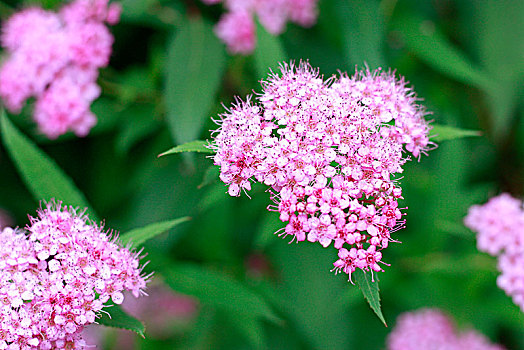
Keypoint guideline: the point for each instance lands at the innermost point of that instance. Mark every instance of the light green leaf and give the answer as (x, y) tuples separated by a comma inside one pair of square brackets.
[(431, 46), (138, 236), (362, 28), (193, 146), (195, 64), (268, 53), (218, 290), (370, 291), (118, 318), (42, 176), (441, 133)]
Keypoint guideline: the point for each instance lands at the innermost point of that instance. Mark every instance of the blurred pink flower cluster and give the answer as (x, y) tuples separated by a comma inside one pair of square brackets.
[(237, 27), (55, 57), (499, 225), (56, 276), (177, 312), (431, 329), (329, 150)]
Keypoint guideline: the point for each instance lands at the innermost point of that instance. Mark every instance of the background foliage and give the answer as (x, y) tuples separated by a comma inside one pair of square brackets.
[(169, 75)]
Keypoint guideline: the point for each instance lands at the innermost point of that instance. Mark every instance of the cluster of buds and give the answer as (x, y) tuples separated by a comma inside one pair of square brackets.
[(57, 275), (55, 58), (237, 27), (431, 329), (329, 151), (499, 224)]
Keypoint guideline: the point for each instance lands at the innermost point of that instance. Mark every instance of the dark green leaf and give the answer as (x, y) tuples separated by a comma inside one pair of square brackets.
[(194, 68), (42, 176), (370, 291), (118, 318), (138, 236), (193, 146), (218, 290), (268, 53), (441, 133), (431, 46)]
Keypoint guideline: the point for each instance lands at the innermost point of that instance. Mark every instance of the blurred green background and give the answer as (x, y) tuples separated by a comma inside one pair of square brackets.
[(169, 76)]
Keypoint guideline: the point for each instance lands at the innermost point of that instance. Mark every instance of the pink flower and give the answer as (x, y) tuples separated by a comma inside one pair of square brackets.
[(56, 277), (50, 53), (328, 150), (236, 28), (498, 224), (431, 329)]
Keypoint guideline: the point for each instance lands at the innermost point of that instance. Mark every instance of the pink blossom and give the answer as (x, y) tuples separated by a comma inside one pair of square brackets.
[(236, 28), (53, 52), (329, 151), (432, 329), (57, 275), (498, 224)]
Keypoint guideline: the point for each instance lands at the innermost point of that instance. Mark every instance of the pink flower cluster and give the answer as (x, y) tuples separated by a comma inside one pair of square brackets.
[(56, 276), (329, 151), (55, 58), (499, 225), (431, 329), (237, 27)]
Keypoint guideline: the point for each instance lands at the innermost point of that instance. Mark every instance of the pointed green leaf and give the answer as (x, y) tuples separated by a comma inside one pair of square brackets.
[(193, 146), (118, 318), (370, 291), (195, 64), (138, 236), (431, 46), (42, 176), (269, 52), (441, 133), (218, 290)]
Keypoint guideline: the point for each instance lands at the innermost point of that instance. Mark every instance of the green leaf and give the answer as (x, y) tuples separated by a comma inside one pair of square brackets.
[(268, 53), (42, 176), (431, 46), (441, 133), (370, 291), (193, 146), (140, 235), (218, 290), (118, 318), (195, 64), (362, 29)]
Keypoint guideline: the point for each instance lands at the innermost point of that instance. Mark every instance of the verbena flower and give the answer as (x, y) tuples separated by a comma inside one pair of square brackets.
[(236, 28), (499, 224), (432, 329), (329, 151), (57, 275), (55, 58)]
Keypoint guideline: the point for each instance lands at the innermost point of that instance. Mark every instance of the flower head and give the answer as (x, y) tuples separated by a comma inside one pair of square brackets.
[(328, 150), (54, 57), (56, 277), (432, 329), (236, 28), (498, 224)]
